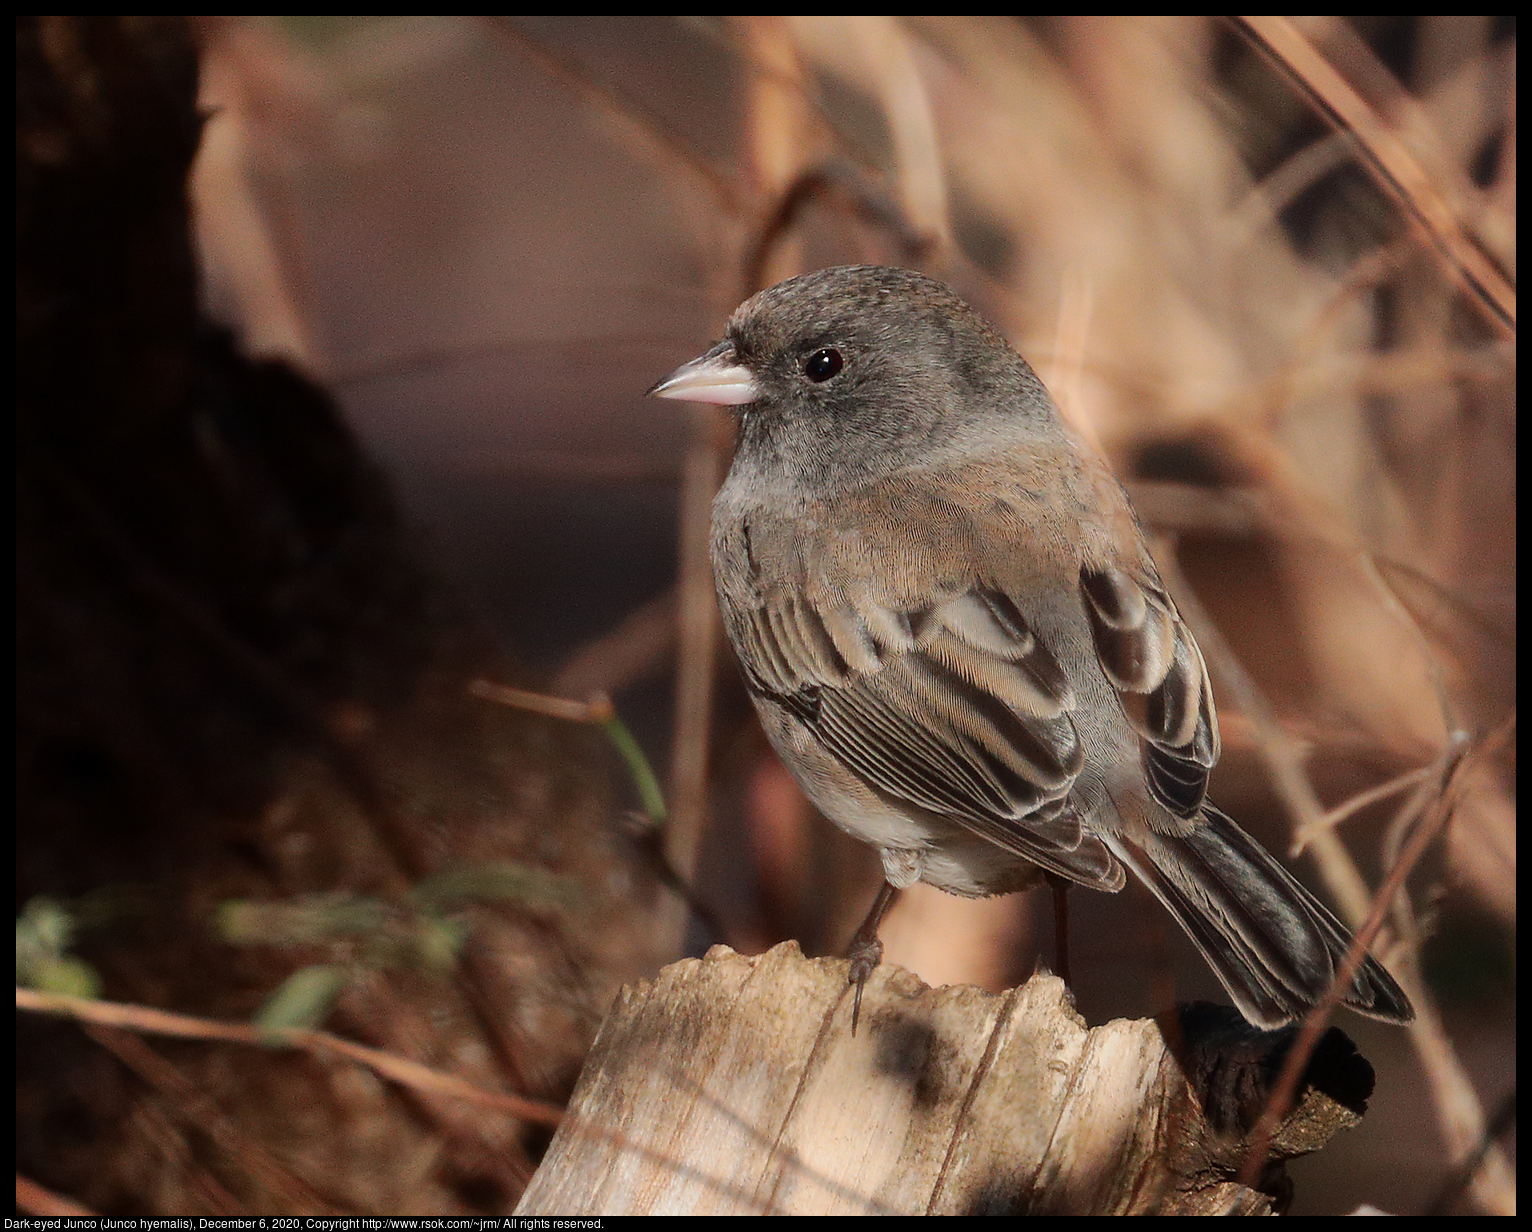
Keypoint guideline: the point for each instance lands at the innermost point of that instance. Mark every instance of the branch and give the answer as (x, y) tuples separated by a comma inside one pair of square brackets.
[(150, 1021)]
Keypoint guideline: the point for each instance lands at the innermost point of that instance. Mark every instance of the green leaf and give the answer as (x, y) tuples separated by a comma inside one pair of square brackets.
[(638, 766), (439, 942), (310, 920), (304, 999), (462, 885), (72, 977), (238, 921), (44, 927), (44, 930)]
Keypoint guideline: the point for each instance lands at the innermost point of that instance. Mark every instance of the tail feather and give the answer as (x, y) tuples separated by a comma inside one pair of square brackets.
[(1272, 944)]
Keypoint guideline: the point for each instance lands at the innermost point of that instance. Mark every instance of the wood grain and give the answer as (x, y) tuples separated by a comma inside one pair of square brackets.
[(733, 1085)]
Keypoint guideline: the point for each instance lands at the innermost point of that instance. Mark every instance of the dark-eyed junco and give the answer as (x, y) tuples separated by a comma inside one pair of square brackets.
[(956, 638)]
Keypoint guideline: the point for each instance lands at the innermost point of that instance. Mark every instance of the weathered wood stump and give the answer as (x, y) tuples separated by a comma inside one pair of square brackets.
[(734, 1085)]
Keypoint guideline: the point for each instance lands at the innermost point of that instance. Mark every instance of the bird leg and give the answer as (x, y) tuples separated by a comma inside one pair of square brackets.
[(865, 950), (1059, 886)]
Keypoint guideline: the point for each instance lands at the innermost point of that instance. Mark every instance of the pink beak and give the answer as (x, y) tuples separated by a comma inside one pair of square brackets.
[(712, 377)]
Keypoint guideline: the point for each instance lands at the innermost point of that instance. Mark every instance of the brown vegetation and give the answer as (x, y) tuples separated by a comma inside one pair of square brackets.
[(1267, 265)]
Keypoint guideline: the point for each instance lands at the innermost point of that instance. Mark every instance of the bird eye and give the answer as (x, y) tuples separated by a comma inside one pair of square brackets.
[(823, 364)]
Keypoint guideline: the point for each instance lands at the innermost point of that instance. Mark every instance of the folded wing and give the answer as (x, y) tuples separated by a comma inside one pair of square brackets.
[(958, 709), (1152, 660)]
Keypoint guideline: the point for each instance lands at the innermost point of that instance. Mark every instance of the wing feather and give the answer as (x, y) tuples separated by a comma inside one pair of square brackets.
[(1153, 662), (958, 709)]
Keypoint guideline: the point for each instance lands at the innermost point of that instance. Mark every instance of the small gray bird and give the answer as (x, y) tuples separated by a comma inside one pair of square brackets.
[(957, 641)]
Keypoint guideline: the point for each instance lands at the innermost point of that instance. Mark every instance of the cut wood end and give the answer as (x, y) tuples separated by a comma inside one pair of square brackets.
[(733, 1084)]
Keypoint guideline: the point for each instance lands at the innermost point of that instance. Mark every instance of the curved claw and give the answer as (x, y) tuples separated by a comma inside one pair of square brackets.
[(865, 950), (866, 954)]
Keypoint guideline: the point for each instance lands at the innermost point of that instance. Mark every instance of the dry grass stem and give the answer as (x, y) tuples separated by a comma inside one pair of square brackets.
[(1281, 754), (1396, 608), (33, 1199), (1362, 799), (149, 1021), (1461, 1113), (630, 652), (401, 1070), (1267, 267), (540, 703), (196, 1108), (1396, 167), (639, 129), (696, 635)]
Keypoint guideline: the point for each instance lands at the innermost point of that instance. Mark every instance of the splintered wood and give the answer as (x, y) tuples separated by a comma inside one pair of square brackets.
[(733, 1085)]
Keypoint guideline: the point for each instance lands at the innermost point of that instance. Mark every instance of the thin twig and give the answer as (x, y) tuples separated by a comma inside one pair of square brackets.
[(1178, 508), (1277, 749), (635, 649), (1486, 625), (1264, 203), (1362, 799), (1277, 394), (33, 1199), (696, 636), (1392, 163), (397, 1069), (196, 1107), (1458, 1179), (833, 180), (1457, 1103), (654, 823), (1066, 375), (599, 712), (645, 132), (1458, 1106), (1392, 604), (539, 703), (150, 1021), (888, 54), (1314, 1023)]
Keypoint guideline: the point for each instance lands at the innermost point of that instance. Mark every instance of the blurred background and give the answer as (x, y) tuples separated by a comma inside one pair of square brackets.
[(1267, 270)]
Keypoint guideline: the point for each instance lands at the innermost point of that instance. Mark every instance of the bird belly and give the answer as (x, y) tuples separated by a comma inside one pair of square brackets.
[(915, 845)]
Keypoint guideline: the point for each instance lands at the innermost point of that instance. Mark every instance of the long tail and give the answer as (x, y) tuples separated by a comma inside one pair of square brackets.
[(1274, 946)]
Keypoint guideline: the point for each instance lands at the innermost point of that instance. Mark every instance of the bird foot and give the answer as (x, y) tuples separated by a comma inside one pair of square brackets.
[(865, 954)]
